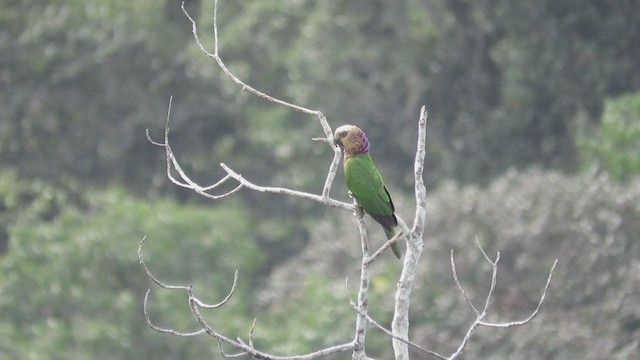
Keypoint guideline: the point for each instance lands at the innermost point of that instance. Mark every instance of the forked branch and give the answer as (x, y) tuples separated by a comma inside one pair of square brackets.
[(480, 314), (196, 304), (206, 191)]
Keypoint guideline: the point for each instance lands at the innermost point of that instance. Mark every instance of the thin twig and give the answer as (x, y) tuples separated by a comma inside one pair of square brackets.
[(386, 331), (535, 312), (186, 182), (145, 309), (224, 354), (384, 247), (480, 315), (172, 163), (224, 301), (464, 293), (321, 118), (280, 190), (150, 275), (235, 79)]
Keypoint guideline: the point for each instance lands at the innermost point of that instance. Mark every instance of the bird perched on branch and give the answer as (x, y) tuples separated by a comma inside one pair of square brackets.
[(364, 180)]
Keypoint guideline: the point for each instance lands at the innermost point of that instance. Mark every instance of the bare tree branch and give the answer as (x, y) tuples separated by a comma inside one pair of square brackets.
[(534, 313), (420, 189), (480, 315), (245, 87), (384, 247), (415, 244), (321, 118), (144, 266), (195, 305), (464, 294), (163, 330), (363, 302), (391, 335), (173, 163), (284, 191), (186, 182)]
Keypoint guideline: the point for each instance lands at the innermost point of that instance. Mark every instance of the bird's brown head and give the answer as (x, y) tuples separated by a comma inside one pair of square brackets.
[(352, 140)]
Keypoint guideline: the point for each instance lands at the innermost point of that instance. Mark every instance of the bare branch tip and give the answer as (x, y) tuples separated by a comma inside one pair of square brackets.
[(140, 257), (151, 140), (253, 327)]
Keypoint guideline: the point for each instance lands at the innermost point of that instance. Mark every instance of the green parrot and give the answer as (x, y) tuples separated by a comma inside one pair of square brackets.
[(364, 180)]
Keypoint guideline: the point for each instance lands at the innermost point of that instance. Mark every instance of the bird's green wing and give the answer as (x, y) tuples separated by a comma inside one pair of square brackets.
[(364, 181)]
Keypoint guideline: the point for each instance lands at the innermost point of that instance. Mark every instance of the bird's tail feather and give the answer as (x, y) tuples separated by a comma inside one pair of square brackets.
[(395, 247)]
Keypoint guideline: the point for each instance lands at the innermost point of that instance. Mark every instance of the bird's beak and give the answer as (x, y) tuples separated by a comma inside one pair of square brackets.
[(336, 140)]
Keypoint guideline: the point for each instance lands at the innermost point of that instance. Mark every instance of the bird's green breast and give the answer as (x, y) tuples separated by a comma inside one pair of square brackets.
[(364, 181)]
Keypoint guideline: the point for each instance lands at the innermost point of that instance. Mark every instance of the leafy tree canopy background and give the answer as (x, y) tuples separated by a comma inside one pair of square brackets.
[(533, 146)]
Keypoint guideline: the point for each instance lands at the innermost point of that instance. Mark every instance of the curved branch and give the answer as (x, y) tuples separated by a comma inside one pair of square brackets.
[(279, 190), (464, 293), (173, 163), (195, 304), (391, 335), (534, 313), (250, 350), (186, 182), (175, 287), (385, 246), (145, 309), (224, 301), (150, 275), (480, 315), (245, 87)]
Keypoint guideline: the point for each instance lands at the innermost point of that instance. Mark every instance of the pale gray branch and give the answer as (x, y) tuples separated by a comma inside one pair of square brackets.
[(172, 163), (384, 247), (195, 305), (388, 332), (363, 302), (224, 301), (245, 87), (279, 190), (415, 244), (480, 315), (186, 182), (150, 275), (534, 313), (321, 118), (464, 293), (418, 170), (145, 309)]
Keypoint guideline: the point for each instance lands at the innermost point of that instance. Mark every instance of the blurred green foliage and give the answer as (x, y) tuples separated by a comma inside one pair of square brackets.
[(80, 184), (501, 80), (615, 146), (72, 286)]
